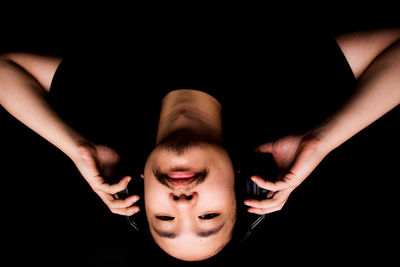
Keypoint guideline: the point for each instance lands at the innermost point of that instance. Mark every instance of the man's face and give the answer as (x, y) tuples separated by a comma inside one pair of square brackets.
[(190, 199)]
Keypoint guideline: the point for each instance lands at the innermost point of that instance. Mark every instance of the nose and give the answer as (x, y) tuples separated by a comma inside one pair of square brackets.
[(184, 199)]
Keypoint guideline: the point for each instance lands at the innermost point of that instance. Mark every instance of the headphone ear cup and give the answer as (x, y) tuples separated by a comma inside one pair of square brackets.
[(138, 220), (135, 187), (253, 164), (253, 191)]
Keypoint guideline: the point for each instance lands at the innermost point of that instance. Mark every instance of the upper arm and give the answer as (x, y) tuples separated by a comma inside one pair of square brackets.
[(361, 48), (41, 67)]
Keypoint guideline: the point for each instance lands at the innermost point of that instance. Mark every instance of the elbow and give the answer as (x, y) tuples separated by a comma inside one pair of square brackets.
[(362, 48), (398, 33), (6, 57), (395, 36)]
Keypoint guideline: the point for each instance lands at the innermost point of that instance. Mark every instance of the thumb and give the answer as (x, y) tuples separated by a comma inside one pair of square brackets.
[(264, 148)]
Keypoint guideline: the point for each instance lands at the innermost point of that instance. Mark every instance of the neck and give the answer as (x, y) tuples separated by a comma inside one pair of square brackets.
[(193, 112)]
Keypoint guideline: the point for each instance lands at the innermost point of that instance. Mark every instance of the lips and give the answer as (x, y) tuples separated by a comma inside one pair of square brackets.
[(181, 179), (181, 175)]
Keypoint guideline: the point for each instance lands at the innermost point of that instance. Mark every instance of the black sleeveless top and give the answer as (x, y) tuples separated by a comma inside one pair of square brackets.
[(266, 90)]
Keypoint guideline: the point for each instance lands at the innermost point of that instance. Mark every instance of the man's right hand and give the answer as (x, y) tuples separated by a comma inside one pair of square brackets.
[(95, 163)]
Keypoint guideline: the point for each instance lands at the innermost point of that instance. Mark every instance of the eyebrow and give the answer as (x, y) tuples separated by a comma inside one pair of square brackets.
[(203, 234), (170, 235), (211, 232)]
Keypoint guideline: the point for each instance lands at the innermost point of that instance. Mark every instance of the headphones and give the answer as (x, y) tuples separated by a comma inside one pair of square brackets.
[(250, 164)]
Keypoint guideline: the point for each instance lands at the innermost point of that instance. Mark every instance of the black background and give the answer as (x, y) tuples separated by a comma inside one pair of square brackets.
[(346, 211)]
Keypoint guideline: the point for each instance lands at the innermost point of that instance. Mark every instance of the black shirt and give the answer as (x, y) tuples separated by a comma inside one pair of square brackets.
[(267, 88)]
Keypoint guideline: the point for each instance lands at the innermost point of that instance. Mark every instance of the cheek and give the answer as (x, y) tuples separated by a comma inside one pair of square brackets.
[(155, 195), (221, 196)]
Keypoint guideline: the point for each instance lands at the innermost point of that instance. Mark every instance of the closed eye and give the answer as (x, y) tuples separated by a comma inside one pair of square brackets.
[(208, 216), (165, 218)]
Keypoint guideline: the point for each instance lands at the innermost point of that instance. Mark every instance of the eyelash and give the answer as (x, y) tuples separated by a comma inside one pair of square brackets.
[(165, 218), (203, 217), (209, 216)]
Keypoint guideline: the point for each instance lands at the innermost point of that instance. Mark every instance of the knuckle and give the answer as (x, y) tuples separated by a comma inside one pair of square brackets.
[(278, 208), (274, 200), (280, 148), (100, 188), (113, 210), (127, 202), (273, 210), (96, 188), (133, 210), (117, 204), (111, 204), (260, 204), (262, 211)]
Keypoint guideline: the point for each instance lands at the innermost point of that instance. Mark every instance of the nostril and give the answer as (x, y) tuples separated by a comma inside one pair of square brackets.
[(189, 197)]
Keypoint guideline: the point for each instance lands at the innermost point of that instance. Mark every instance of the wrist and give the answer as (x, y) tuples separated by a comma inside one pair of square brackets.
[(319, 137), (78, 146)]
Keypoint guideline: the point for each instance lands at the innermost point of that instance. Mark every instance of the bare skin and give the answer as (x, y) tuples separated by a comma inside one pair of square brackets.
[(374, 57), (190, 220)]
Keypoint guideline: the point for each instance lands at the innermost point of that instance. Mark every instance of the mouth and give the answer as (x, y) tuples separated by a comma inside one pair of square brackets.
[(176, 179), (181, 175), (181, 178)]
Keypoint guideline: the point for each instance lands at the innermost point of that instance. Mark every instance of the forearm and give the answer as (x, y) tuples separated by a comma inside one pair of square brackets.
[(24, 98), (377, 92)]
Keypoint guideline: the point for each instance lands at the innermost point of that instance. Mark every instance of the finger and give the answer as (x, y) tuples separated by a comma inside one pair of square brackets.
[(126, 211), (279, 199), (262, 204), (113, 188), (257, 211), (264, 148), (271, 186), (122, 203), (264, 211), (105, 197), (113, 203)]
